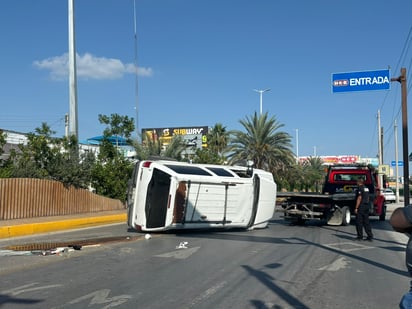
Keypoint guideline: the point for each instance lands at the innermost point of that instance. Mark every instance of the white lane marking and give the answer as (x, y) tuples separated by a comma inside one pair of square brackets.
[(348, 246), (101, 297), (29, 288), (209, 292), (339, 264), (179, 254)]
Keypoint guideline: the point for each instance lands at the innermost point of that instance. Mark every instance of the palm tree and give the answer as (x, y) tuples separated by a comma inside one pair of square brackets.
[(153, 147), (314, 172), (217, 140), (263, 143)]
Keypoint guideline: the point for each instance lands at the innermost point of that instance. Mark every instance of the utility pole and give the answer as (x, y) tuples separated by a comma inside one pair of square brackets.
[(396, 161), (66, 125), (73, 122), (137, 71), (380, 159), (402, 80), (380, 152), (381, 132)]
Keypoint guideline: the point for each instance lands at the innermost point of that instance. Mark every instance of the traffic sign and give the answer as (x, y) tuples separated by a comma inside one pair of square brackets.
[(383, 169), (393, 163), (361, 81)]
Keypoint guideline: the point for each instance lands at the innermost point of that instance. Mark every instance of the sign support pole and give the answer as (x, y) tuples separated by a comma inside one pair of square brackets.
[(402, 80)]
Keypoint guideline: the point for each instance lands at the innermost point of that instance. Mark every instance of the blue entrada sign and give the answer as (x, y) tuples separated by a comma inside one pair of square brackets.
[(361, 81), (393, 163)]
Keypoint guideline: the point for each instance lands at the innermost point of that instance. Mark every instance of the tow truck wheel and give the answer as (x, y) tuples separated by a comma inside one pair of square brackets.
[(345, 216)]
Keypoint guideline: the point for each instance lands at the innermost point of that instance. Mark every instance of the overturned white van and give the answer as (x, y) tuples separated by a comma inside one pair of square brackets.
[(165, 195)]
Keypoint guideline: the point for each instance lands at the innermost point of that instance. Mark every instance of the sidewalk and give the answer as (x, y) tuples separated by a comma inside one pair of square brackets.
[(25, 227)]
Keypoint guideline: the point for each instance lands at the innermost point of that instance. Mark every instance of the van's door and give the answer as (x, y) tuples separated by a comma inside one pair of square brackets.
[(157, 198)]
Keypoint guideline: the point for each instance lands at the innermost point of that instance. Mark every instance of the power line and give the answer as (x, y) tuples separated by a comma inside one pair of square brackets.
[(396, 111)]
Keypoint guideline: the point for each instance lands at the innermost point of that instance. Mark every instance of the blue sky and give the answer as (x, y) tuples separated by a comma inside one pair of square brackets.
[(199, 62)]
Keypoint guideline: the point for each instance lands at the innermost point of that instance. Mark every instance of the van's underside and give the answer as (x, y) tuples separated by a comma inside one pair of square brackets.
[(197, 204)]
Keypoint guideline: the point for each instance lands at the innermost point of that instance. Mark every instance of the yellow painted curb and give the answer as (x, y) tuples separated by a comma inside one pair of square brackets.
[(44, 227)]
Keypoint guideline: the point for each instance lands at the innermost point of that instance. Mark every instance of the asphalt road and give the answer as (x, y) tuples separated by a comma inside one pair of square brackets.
[(283, 266)]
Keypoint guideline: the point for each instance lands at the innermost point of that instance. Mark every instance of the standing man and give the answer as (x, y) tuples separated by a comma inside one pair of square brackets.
[(401, 221), (362, 211)]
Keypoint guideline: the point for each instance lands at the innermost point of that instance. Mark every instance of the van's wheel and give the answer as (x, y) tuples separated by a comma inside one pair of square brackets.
[(346, 216), (382, 216)]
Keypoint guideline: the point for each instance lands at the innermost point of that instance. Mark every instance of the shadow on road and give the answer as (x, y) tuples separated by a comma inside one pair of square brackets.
[(268, 281)]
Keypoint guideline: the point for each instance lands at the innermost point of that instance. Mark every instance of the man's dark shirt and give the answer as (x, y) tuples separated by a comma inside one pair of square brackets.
[(364, 193)]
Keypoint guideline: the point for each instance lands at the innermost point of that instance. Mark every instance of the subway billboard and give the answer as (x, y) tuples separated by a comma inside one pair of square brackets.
[(194, 137)]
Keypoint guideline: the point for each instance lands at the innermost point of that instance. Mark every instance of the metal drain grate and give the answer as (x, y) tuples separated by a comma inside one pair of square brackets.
[(71, 244)]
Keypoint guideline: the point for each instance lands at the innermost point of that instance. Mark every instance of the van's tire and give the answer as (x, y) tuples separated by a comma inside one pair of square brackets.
[(346, 216), (382, 216)]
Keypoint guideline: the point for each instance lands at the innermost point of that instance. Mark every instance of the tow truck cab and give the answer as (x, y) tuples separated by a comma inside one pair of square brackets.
[(342, 179)]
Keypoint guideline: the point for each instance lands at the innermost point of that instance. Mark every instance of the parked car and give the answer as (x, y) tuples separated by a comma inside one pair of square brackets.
[(389, 195)]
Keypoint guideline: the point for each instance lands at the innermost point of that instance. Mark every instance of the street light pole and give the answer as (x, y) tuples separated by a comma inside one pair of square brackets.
[(297, 145), (261, 97), (73, 111)]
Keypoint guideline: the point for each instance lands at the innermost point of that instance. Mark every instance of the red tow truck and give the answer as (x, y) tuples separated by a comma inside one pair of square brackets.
[(336, 203)]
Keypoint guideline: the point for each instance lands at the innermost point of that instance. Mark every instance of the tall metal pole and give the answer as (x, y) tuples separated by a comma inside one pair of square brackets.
[(379, 138), (402, 80), (297, 145), (136, 68), (261, 98), (380, 159), (66, 125), (73, 122), (396, 160)]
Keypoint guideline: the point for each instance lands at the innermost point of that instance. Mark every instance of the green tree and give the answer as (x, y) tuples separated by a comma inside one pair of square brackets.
[(117, 125), (71, 167), (112, 169), (314, 173), (6, 165), (2, 141), (263, 143), (36, 158), (110, 176), (47, 157), (292, 178), (206, 155), (217, 142), (153, 148)]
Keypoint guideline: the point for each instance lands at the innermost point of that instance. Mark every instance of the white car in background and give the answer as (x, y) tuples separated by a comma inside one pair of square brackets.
[(389, 195)]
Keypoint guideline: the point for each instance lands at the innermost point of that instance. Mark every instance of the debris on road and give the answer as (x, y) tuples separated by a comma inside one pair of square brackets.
[(182, 245)]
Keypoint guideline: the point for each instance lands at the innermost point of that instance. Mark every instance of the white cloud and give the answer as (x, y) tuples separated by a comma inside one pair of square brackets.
[(90, 67)]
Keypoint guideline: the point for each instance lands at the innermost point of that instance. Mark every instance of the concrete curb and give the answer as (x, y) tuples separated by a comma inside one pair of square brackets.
[(59, 225)]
